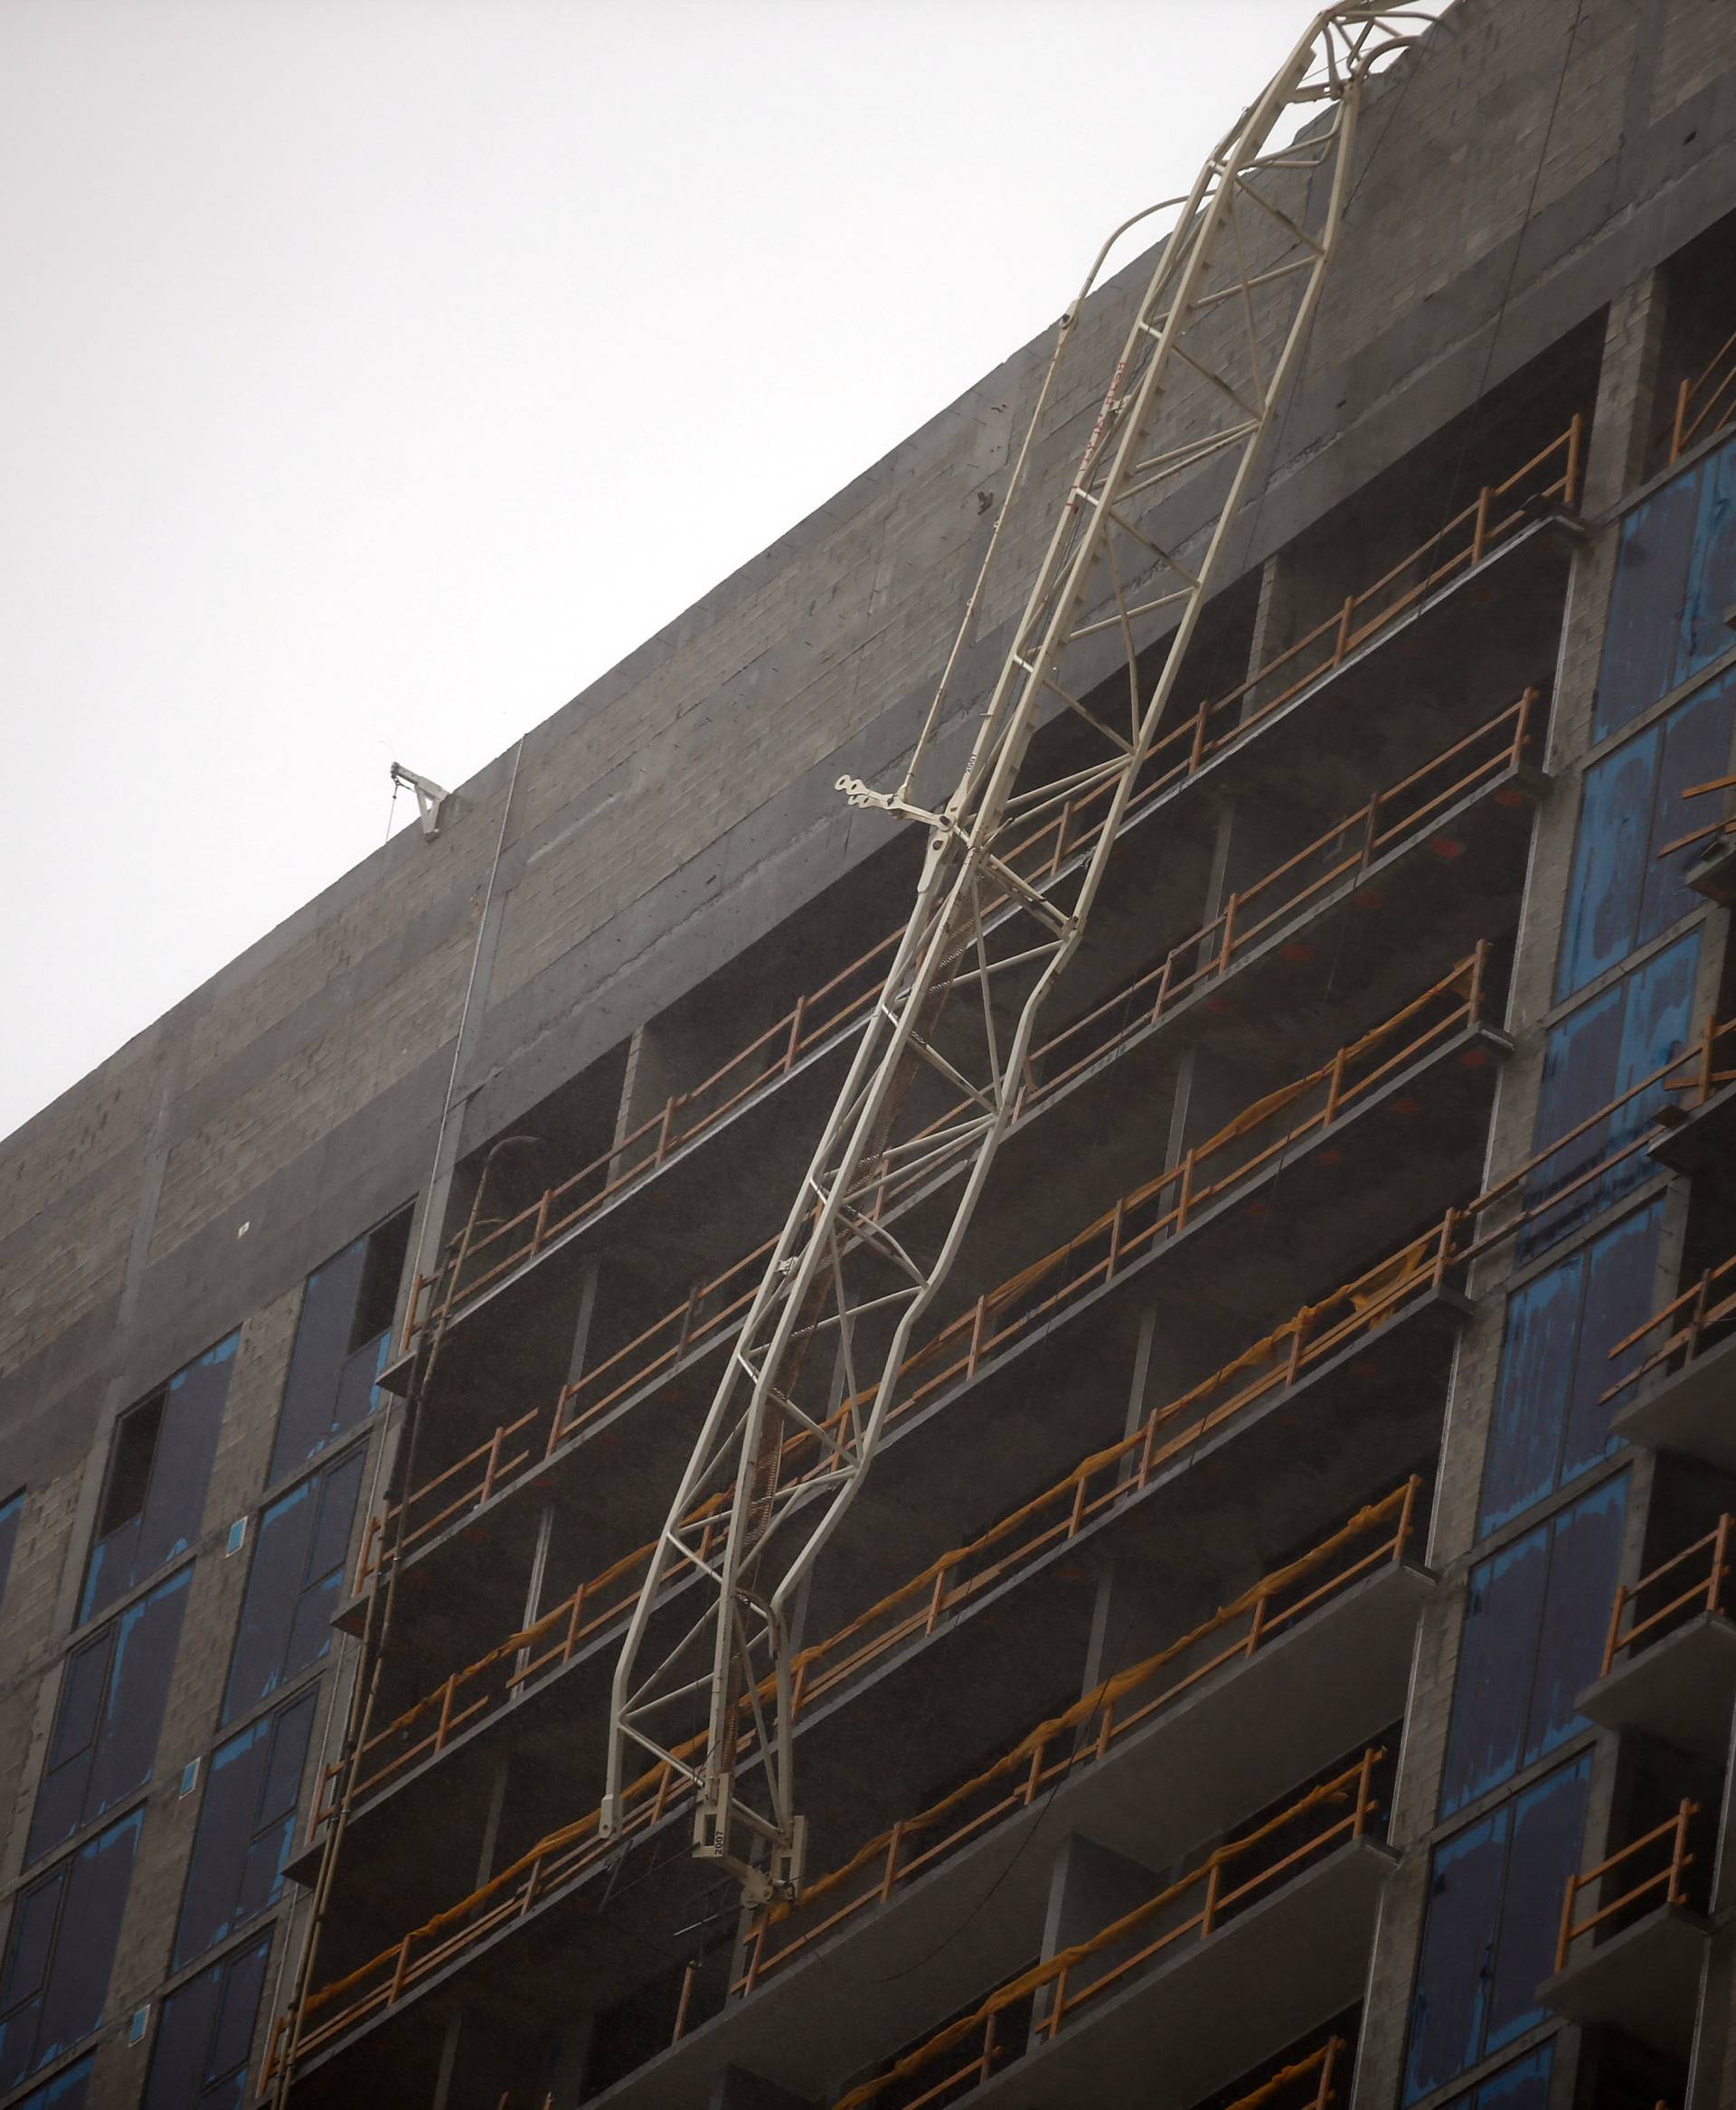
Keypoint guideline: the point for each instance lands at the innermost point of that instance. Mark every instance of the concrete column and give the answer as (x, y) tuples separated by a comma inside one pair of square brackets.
[(1091, 1887), (738, 2089), (1624, 394), (1628, 411)]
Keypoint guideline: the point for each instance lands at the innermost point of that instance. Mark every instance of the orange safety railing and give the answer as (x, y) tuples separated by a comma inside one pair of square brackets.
[(1037, 2006), (1075, 1739), (1697, 1319), (1105, 1480), (1705, 402), (1305, 2084), (1271, 1366), (1695, 1580), (1550, 476), (541, 1650), (1667, 1842), (1148, 1215)]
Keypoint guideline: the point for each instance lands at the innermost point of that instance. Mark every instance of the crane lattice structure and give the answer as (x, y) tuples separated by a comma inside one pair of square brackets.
[(799, 1408)]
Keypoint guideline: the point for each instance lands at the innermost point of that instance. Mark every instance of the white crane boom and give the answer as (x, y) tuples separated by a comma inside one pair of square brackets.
[(800, 1407)]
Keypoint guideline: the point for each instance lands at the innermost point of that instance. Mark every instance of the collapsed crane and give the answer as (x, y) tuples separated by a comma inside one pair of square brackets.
[(799, 1408)]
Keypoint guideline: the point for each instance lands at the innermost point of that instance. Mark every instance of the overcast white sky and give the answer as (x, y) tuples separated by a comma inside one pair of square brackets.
[(377, 372)]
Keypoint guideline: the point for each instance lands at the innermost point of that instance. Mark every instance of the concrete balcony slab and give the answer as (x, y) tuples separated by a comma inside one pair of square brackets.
[(1704, 1137), (1680, 1690), (1182, 2026), (1643, 1982), (1235, 1745), (1692, 1411), (1486, 613)]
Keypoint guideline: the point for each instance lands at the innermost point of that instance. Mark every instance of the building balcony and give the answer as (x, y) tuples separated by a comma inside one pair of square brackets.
[(1288, 1907), (1687, 1401), (1440, 598), (1341, 1128), (1203, 1471), (1700, 1134), (1632, 1962), (1426, 853), (1313, 1657), (1669, 1665)]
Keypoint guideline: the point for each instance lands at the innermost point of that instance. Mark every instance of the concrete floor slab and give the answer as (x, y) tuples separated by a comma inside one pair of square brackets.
[(1643, 1982), (1692, 1411), (1680, 1690)]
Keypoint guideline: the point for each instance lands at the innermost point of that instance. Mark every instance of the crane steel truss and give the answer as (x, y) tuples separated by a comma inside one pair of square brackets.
[(799, 1408)]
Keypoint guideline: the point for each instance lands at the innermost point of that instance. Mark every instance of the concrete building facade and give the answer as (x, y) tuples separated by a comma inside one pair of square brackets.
[(1283, 1652)]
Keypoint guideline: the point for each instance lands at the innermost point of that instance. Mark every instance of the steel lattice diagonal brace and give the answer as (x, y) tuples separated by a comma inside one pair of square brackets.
[(703, 1681)]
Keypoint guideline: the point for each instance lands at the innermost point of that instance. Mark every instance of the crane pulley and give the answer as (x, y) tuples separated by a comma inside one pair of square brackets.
[(703, 1684)]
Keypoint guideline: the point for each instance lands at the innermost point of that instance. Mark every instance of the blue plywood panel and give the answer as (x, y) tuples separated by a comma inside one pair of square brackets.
[(307, 1419), (1454, 1973), (199, 2061), (1584, 1554), (1531, 1393), (1522, 2086), (1609, 861), (1491, 1692), (1696, 751), (1548, 1825), (1620, 1294), (11, 1515), (1581, 1056), (1642, 643), (1709, 588)]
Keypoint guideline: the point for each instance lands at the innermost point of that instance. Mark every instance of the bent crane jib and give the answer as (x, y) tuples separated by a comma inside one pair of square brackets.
[(704, 1686)]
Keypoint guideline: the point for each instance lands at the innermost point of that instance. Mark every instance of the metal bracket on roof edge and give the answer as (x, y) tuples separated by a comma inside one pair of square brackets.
[(430, 798)]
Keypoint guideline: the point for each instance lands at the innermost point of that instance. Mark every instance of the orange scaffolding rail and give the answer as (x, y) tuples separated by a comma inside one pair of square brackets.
[(1669, 1841), (1306, 2084), (1705, 402), (1272, 1366), (1553, 476), (1075, 1739), (1145, 1216), (541, 1650), (1035, 2008), (1637, 1617)]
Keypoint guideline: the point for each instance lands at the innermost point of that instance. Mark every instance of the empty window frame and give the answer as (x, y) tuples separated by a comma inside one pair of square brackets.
[(12, 1517), (1522, 2086), (159, 1468), (1488, 1937), (204, 2035), (61, 1950), (113, 1692), (294, 1583), (247, 1823), (343, 1338), (1621, 893), (1675, 580), (1535, 1617), (1603, 1050)]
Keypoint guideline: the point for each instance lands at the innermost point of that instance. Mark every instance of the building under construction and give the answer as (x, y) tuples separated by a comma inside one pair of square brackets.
[(1255, 1411)]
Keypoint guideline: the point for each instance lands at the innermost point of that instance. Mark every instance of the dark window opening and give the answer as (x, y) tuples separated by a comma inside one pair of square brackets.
[(113, 1692), (246, 1827), (159, 1469), (60, 1951), (294, 1584), (343, 1338), (205, 2036), (129, 1472)]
